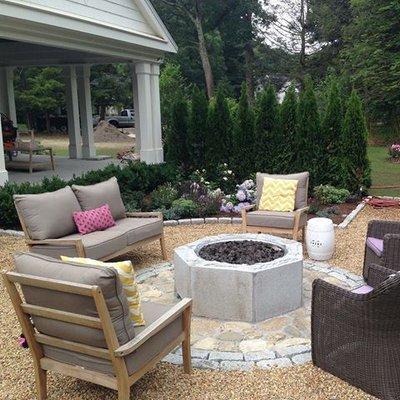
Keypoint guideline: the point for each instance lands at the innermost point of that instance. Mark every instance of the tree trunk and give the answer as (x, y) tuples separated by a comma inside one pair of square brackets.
[(205, 59), (47, 117), (303, 20), (102, 113), (249, 57)]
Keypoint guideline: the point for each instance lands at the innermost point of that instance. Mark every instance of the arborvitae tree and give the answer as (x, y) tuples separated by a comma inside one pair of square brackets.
[(332, 131), (288, 128), (176, 148), (243, 138), (266, 128), (218, 147), (197, 128), (309, 134), (355, 136)]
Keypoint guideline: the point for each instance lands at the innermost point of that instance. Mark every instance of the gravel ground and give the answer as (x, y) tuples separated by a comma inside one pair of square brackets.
[(167, 381)]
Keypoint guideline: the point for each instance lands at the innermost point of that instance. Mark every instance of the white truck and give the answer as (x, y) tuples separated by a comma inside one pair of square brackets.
[(125, 119)]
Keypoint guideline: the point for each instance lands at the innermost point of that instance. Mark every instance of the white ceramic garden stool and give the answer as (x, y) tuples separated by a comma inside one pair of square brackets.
[(320, 239)]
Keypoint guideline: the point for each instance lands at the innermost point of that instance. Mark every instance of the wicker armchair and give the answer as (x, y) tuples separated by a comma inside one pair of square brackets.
[(389, 255), (356, 336)]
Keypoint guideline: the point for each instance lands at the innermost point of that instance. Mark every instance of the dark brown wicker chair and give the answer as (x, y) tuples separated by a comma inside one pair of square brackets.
[(389, 232), (356, 336)]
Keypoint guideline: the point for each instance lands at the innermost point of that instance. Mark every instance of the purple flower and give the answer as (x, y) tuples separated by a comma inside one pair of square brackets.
[(241, 195)]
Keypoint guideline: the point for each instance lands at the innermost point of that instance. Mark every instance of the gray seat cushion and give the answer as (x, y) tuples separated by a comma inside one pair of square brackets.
[(97, 245), (138, 229), (94, 196), (48, 215), (146, 352), (274, 219), (106, 278), (302, 186)]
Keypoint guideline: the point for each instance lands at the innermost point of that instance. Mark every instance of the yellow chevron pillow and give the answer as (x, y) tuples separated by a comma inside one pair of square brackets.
[(126, 274), (278, 195)]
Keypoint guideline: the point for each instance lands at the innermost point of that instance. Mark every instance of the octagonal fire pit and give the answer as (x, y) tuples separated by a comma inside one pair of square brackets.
[(245, 277)]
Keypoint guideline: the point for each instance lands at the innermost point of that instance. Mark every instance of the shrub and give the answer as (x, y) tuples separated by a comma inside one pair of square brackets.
[(197, 128), (243, 139), (356, 163), (309, 137), (135, 179), (267, 144), (394, 151), (164, 196), (326, 194), (184, 208)]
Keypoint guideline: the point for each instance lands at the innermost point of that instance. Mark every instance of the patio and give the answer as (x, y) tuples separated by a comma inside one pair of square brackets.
[(168, 381), (66, 168)]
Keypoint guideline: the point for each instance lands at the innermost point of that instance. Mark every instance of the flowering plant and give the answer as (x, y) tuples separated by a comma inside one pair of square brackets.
[(221, 177), (244, 197), (394, 151)]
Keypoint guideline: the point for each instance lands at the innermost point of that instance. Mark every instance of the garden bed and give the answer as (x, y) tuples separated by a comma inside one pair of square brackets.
[(341, 212)]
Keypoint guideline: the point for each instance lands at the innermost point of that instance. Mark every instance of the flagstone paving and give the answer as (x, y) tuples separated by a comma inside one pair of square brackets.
[(229, 345)]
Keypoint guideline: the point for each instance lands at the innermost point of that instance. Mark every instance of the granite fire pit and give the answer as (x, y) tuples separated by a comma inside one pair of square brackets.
[(240, 292)]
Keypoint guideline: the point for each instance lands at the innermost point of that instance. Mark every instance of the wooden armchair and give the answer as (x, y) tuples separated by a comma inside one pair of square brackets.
[(289, 223), (84, 330), (26, 143)]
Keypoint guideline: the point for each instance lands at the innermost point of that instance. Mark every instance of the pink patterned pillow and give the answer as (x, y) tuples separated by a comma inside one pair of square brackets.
[(94, 220)]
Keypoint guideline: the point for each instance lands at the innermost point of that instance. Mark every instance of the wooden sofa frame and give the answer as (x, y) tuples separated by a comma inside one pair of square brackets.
[(294, 232), (114, 353), (80, 248)]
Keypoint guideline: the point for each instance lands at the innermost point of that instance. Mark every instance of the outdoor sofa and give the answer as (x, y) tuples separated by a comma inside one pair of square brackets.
[(274, 222), (76, 321), (47, 221), (355, 334), (382, 245)]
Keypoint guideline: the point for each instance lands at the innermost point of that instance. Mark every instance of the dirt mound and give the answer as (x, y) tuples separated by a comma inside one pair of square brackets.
[(105, 132)]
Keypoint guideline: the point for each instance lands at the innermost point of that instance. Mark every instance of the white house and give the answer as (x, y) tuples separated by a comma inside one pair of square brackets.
[(75, 34)]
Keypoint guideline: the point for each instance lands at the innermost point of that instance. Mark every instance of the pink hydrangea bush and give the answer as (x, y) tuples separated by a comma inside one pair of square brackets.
[(394, 151)]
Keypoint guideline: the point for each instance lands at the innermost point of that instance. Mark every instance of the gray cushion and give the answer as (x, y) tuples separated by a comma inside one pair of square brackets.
[(274, 219), (138, 229), (94, 196), (106, 278), (97, 245), (136, 360), (48, 215), (302, 186)]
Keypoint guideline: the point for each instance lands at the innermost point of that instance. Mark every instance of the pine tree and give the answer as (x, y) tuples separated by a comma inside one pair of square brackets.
[(197, 128), (355, 135), (218, 146), (243, 138), (309, 135), (332, 130), (266, 128), (288, 128), (176, 148)]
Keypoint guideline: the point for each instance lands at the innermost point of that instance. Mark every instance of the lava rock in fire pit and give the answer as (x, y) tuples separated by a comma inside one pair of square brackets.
[(241, 252)]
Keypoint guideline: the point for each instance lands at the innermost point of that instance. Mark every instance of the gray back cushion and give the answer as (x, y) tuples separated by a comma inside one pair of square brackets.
[(302, 186), (48, 215), (94, 196), (106, 278)]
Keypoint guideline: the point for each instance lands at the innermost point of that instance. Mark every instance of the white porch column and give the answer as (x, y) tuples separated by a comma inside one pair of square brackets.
[(156, 113), (74, 128), (85, 109), (3, 171), (136, 108), (7, 97), (147, 112)]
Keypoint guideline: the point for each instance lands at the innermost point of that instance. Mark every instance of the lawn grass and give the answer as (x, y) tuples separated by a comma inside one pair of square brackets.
[(383, 172)]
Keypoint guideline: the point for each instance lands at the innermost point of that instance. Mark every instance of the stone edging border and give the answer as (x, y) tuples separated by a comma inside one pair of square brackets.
[(352, 216), (237, 361)]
